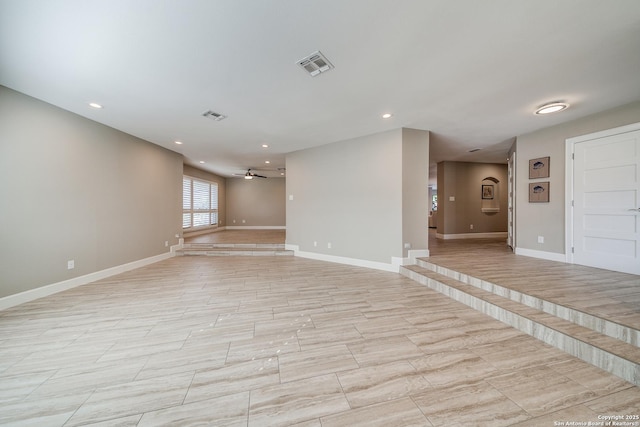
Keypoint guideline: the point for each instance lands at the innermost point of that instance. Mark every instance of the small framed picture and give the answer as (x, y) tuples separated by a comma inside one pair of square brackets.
[(539, 192), (487, 191), (539, 168)]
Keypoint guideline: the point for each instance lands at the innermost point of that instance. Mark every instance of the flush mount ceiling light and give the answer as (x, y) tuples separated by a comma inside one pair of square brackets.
[(552, 107), (265, 146), (387, 115), (95, 105), (315, 64)]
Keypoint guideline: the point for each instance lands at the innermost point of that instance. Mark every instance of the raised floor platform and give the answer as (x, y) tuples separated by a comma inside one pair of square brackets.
[(591, 313)]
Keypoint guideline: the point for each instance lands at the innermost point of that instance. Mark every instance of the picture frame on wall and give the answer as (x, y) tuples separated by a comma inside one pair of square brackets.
[(539, 168), (487, 191), (539, 192)]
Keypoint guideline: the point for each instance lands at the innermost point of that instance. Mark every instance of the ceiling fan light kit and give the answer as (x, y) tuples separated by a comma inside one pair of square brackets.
[(250, 175)]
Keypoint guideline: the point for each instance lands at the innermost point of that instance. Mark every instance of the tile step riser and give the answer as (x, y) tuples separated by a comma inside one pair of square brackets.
[(597, 324), (200, 246), (233, 253), (607, 361)]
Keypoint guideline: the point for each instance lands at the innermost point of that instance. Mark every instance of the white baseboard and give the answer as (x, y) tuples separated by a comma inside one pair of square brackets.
[(43, 291), (343, 260), (549, 256), (496, 235), (256, 227)]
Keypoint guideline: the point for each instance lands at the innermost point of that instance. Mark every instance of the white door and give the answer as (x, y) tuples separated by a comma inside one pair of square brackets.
[(511, 214), (606, 213)]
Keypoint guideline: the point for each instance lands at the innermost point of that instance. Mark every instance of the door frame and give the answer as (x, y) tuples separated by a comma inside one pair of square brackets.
[(511, 201), (569, 169)]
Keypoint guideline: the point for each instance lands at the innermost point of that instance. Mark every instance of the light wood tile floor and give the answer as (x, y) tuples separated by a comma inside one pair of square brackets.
[(253, 341), (603, 293)]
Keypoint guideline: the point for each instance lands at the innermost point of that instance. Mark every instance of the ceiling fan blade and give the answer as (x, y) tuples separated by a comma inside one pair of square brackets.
[(259, 176)]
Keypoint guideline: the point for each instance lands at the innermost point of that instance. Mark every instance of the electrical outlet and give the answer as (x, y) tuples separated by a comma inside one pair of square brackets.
[(315, 243), (540, 239), (329, 245), (166, 243), (470, 226), (243, 221), (71, 264), (407, 245)]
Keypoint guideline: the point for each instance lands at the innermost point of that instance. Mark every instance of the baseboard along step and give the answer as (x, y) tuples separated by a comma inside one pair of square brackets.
[(613, 355)]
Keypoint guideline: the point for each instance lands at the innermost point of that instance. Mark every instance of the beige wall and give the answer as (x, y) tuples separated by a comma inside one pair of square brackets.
[(350, 194), (222, 189), (463, 181), (73, 189), (547, 219), (258, 202), (415, 189)]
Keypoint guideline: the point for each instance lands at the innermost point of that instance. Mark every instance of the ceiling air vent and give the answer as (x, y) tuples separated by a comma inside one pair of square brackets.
[(315, 64), (213, 115)]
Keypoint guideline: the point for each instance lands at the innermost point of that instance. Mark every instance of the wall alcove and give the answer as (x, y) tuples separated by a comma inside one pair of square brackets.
[(490, 195)]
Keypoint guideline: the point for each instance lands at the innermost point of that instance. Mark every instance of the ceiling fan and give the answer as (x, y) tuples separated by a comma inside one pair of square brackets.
[(249, 175)]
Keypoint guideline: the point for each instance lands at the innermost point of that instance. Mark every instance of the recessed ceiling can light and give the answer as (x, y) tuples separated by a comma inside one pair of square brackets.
[(201, 162), (178, 142), (265, 145), (552, 107), (95, 105), (267, 161), (387, 115)]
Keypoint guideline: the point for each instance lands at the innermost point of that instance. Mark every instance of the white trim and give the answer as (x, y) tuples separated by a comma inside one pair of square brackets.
[(604, 133), (498, 234), (46, 290), (549, 256), (344, 260), (568, 199), (256, 227), (418, 253), (568, 188)]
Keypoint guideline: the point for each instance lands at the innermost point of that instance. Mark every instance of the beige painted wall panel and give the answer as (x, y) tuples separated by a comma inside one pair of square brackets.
[(259, 202), (415, 189), (463, 181), (77, 190), (349, 194)]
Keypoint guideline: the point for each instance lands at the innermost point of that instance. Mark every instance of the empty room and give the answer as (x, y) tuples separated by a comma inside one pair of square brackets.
[(332, 213)]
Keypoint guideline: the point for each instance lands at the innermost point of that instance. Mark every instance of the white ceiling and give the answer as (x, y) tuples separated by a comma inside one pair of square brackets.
[(470, 71)]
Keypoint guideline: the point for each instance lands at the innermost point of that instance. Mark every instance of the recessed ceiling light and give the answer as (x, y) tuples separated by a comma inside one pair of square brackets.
[(282, 173), (95, 105), (552, 107), (387, 115), (201, 162), (178, 142), (267, 161), (265, 146)]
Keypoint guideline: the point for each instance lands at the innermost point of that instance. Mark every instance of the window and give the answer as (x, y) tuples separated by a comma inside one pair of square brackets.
[(199, 203)]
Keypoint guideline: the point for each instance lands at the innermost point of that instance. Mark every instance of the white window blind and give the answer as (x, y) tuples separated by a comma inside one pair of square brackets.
[(199, 203)]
